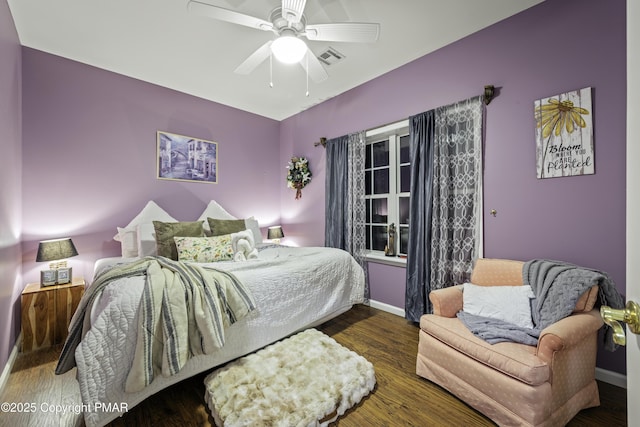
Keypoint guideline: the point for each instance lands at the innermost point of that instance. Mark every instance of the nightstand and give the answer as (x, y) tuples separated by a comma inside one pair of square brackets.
[(47, 311)]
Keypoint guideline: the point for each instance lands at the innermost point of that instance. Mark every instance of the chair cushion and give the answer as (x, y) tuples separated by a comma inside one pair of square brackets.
[(516, 360)]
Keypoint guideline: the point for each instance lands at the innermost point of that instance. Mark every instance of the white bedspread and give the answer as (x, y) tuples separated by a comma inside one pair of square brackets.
[(294, 288)]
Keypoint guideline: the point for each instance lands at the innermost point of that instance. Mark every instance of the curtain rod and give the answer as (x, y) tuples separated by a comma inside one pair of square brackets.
[(488, 94), (323, 142)]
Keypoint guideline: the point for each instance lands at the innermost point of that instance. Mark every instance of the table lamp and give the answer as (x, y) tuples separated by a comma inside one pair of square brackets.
[(55, 251), (275, 234)]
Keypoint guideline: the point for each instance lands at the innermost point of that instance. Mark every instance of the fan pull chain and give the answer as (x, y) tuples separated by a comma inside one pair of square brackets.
[(307, 69), (271, 69)]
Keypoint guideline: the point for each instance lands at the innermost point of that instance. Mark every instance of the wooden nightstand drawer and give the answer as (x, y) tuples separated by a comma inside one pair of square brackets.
[(47, 311)]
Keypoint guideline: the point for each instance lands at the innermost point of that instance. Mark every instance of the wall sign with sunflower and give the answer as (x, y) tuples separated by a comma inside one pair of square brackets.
[(564, 135)]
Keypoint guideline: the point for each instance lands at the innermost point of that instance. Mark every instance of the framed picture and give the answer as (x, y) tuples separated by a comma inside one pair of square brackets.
[(564, 134), (63, 275), (48, 277), (185, 158)]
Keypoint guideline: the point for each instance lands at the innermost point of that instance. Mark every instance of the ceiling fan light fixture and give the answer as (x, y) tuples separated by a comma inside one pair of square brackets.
[(288, 49)]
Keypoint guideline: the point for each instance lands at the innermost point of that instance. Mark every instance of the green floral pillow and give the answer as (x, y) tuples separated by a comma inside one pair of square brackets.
[(204, 249)]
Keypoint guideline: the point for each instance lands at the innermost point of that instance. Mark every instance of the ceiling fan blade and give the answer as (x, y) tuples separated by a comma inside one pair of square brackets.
[(255, 59), (316, 70), (292, 10), (227, 15), (344, 32)]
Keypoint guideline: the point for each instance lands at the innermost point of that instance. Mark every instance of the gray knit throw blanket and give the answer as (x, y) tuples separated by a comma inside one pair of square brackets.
[(558, 286)]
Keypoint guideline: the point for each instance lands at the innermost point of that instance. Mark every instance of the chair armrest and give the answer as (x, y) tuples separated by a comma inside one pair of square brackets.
[(567, 333), (447, 302)]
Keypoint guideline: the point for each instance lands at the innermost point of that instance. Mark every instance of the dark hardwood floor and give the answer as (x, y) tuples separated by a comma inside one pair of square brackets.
[(401, 398)]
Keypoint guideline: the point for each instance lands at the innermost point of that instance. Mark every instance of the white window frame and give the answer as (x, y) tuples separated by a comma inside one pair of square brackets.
[(391, 132)]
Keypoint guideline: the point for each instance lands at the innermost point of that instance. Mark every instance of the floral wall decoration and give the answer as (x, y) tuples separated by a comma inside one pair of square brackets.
[(298, 175), (564, 135)]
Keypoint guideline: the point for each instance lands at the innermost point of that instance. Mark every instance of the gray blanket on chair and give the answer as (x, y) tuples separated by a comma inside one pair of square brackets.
[(558, 286)]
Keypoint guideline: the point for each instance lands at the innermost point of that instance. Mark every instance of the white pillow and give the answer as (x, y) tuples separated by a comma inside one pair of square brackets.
[(146, 238), (507, 303), (151, 212), (252, 224), (128, 242), (213, 210)]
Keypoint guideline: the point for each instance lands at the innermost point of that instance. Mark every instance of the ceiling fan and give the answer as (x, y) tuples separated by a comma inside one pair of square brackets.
[(289, 24)]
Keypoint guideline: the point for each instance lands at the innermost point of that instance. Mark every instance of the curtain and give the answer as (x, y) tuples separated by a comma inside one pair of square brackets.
[(336, 192), (421, 141), (445, 223), (457, 192), (345, 207)]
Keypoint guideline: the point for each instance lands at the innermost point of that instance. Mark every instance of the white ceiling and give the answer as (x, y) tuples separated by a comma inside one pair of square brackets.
[(161, 42)]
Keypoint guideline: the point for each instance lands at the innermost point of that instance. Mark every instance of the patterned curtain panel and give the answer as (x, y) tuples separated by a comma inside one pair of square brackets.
[(457, 192), (344, 198)]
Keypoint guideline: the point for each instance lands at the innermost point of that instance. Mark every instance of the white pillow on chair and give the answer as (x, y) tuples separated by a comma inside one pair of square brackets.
[(507, 303)]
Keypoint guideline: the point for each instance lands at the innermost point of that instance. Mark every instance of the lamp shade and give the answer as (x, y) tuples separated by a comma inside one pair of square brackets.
[(275, 232), (53, 250)]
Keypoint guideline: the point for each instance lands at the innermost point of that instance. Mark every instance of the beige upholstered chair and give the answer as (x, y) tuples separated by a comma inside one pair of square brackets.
[(513, 384)]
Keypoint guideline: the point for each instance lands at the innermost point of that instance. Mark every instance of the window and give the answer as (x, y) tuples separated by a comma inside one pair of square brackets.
[(387, 182)]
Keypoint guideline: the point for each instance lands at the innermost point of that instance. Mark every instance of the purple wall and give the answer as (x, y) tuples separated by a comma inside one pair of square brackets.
[(89, 150), (88, 147), (554, 47), (387, 283), (10, 177)]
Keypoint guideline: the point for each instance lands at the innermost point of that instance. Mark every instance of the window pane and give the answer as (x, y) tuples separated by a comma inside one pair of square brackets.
[(368, 206), (379, 212), (368, 244), (404, 149), (405, 179), (403, 205), (379, 238), (381, 154), (367, 162), (404, 240), (381, 181), (367, 182)]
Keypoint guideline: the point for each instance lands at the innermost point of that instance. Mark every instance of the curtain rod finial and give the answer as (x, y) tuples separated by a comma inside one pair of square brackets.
[(323, 142), (489, 94)]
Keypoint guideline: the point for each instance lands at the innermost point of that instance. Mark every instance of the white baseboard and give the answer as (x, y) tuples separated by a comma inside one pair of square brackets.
[(386, 307), (603, 375), (611, 377), (4, 378)]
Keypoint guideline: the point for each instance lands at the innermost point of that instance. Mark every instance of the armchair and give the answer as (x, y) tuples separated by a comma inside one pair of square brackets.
[(512, 383)]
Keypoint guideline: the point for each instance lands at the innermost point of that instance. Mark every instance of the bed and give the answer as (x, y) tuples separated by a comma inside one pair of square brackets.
[(293, 288)]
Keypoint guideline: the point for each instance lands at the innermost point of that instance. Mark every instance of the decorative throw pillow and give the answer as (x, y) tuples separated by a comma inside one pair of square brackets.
[(507, 303), (214, 210), (220, 227), (166, 231), (204, 249)]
